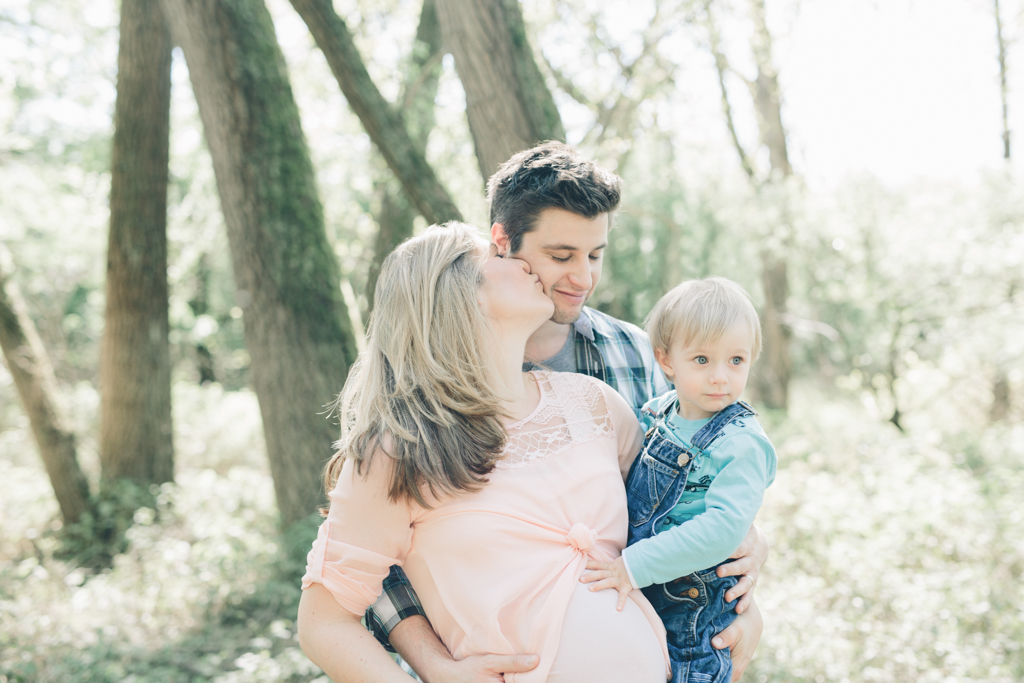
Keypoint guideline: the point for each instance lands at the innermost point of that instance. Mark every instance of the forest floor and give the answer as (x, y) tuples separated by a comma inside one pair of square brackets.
[(895, 557)]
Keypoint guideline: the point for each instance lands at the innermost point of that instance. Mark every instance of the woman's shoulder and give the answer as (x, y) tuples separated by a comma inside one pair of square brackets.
[(569, 384), (574, 391)]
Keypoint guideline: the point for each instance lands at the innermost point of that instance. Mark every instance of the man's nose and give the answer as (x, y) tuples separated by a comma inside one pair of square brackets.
[(581, 276)]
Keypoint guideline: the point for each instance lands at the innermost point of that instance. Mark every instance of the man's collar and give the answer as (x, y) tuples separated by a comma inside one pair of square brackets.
[(584, 325)]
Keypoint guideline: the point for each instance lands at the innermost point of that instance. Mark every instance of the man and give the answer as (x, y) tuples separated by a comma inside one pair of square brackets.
[(553, 209)]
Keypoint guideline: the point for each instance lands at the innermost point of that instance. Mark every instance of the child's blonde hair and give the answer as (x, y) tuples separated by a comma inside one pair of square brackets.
[(702, 311)]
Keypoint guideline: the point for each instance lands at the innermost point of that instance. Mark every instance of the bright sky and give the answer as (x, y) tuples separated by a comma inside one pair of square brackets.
[(898, 88)]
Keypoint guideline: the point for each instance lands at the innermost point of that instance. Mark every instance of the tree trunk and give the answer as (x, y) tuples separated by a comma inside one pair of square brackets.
[(766, 94), (721, 67), (507, 102), (396, 216), (1003, 91), (776, 370), (297, 329), (200, 305), (1000, 406), (135, 364), (384, 126), (776, 366), (37, 386)]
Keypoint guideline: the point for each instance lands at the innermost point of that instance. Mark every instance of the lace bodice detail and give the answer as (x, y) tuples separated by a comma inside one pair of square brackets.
[(572, 412)]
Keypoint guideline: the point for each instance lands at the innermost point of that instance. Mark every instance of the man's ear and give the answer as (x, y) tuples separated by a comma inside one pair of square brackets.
[(665, 362), (500, 239)]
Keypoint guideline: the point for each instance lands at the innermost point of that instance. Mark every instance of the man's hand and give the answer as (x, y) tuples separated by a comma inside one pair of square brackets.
[(742, 637), (488, 668), (416, 641), (748, 560), (610, 575)]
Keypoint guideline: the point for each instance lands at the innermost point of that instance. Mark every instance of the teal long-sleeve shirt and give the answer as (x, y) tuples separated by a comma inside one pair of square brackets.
[(723, 493)]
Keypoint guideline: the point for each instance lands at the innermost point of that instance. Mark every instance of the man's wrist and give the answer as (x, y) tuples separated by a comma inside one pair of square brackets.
[(417, 643)]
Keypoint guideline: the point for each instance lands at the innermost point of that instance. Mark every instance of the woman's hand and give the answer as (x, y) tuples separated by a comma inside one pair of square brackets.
[(749, 558), (609, 575)]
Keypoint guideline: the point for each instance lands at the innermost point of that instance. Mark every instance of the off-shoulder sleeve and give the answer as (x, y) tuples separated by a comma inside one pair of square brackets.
[(627, 427), (363, 535)]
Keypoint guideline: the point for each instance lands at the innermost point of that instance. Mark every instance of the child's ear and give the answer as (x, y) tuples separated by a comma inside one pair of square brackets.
[(665, 362), (500, 239)]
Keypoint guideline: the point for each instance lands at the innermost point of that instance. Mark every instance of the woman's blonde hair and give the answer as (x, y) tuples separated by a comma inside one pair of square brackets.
[(421, 391), (702, 311)]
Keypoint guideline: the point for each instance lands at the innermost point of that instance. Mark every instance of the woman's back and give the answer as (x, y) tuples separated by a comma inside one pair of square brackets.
[(498, 570)]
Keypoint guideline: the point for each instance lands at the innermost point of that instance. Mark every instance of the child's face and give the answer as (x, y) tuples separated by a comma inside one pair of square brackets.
[(709, 377)]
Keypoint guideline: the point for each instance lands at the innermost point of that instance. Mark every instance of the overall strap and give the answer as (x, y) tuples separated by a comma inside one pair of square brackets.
[(723, 418)]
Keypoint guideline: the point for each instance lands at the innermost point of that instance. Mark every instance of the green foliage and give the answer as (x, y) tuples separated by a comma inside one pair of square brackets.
[(891, 561), (95, 539), (895, 555)]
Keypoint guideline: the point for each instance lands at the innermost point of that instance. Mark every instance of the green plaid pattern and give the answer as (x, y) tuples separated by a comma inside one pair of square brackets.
[(615, 352), (620, 355)]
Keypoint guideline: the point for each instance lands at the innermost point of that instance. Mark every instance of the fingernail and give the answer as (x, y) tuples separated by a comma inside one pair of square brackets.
[(717, 642)]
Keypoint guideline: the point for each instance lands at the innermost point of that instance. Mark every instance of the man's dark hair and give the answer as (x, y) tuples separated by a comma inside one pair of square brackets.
[(550, 175)]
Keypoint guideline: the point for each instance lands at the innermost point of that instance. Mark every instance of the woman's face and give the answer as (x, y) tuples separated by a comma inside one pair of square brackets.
[(510, 294)]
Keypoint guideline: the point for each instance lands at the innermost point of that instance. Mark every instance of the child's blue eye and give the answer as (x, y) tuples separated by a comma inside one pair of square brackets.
[(701, 360), (736, 360)]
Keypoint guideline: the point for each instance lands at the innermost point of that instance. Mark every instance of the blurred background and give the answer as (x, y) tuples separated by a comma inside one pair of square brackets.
[(852, 163)]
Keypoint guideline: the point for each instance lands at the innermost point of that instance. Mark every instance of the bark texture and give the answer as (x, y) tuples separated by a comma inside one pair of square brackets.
[(1003, 91), (382, 123), (776, 369), (776, 362), (297, 328), (33, 376), (507, 102), (396, 216), (135, 365), (767, 97)]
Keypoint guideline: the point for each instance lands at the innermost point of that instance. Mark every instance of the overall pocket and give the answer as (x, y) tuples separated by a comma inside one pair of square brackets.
[(649, 480)]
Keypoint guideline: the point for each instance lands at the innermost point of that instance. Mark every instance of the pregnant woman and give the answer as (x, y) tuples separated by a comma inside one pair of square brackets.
[(491, 487)]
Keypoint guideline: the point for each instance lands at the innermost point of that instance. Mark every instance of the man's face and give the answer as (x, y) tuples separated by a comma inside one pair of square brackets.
[(567, 251)]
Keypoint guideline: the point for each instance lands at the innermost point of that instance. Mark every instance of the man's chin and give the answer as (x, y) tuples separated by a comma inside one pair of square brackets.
[(566, 316)]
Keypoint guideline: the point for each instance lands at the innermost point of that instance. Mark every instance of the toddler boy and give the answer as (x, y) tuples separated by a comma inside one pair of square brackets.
[(700, 477)]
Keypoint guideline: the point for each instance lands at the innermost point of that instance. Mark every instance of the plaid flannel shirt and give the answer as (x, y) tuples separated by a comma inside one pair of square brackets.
[(615, 352)]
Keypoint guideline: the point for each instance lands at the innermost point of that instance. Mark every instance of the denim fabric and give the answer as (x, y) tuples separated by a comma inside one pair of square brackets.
[(692, 607)]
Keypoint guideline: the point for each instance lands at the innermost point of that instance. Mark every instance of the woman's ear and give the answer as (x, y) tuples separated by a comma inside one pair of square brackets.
[(500, 239), (665, 362)]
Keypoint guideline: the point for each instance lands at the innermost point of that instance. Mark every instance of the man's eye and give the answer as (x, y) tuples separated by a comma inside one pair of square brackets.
[(560, 260), (595, 257), (701, 360)]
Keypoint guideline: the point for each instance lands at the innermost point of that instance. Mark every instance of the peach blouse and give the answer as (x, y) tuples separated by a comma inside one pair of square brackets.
[(497, 571)]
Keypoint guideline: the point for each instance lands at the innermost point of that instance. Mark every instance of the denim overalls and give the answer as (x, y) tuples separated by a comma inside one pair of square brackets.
[(693, 607)]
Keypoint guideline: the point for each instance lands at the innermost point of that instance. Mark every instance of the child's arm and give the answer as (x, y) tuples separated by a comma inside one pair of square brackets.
[(731, 503)]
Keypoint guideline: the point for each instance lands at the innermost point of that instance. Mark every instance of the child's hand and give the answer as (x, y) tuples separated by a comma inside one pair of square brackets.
[(609, 576)]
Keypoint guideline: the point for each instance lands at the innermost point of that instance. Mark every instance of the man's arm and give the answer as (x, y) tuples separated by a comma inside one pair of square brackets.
[(418, 644), (398, 622), (398, 602)]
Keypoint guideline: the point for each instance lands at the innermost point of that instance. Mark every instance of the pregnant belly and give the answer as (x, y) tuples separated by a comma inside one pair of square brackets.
[(602, 645)]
